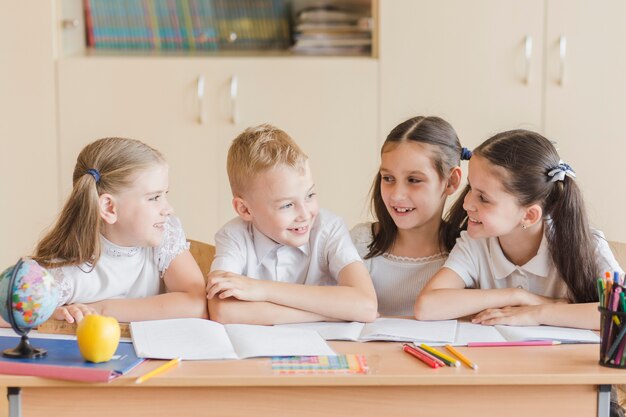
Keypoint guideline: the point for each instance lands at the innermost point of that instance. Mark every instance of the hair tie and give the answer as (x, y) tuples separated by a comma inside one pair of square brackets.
[(559, 172), (466, 154), (95, 174)]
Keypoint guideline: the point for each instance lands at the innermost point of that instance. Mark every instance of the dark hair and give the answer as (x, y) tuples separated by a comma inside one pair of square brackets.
[(446, 155), (527, 158)]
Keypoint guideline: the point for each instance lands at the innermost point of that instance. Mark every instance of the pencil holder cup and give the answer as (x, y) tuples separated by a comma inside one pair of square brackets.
[(612, 338)]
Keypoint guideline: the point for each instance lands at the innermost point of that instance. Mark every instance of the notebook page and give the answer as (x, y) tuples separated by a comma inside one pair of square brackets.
[(562, 334), (469, 332), (254, 341), (189, 339), (409, 330), (331, 330)]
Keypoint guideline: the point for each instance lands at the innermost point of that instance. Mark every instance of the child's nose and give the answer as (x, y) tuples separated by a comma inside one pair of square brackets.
[(468, 204)]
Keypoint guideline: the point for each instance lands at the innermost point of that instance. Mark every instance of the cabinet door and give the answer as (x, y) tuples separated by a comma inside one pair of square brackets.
[(465, 61), (586, 102), (28, 180), (328, 106), (154, 100)]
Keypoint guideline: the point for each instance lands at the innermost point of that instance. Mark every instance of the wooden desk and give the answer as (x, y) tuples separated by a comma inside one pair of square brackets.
[(513, 381)]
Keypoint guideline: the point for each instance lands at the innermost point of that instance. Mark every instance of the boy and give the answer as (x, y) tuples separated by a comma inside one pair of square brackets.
[(279, 261)]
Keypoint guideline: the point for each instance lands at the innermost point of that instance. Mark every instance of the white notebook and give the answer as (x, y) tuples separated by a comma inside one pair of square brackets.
[(198, 339), (443, 332)]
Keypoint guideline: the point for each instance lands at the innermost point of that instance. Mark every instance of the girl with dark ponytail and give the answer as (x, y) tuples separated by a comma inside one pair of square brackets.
[(528, 244), (410, 241)]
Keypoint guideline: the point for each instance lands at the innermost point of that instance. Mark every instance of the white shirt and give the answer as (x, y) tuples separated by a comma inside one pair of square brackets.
[(242, 249), (482, 264), (397, 279), (121, 272)]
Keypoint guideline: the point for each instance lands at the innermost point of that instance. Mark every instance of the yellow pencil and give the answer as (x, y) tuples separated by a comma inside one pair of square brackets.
[(440, 355), (157, 371), (462, 357)]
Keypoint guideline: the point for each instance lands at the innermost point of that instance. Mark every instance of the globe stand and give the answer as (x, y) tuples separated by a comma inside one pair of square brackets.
[(24, 349)]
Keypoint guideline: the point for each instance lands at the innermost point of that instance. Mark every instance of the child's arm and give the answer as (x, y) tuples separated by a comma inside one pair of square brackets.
[(185, 296), (585, 316), (353, 299), (231, 310), (445, 297)]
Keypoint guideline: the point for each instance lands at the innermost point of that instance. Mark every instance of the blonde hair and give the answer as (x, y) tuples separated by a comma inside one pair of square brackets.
[(108, 166), (258, 149)]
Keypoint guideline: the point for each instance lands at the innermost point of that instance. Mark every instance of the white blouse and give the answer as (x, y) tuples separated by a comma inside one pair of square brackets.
[(121, 272), (397, 280)]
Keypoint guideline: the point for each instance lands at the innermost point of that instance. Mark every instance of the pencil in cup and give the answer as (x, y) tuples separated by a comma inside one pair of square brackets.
[(612, 338), (157, 371), (461, 357)]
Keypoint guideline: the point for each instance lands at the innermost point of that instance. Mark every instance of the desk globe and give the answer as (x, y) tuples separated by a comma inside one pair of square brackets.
[(28, 297)]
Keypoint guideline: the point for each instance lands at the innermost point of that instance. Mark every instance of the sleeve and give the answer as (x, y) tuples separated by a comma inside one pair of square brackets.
[(463, 261), (361, 235), (606, 259), (230, 250), (174, 242), (339, 249), (65, 285)]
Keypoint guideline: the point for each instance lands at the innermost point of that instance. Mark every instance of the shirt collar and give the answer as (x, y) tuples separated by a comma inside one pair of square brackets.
[(539, 265), (264, 246)]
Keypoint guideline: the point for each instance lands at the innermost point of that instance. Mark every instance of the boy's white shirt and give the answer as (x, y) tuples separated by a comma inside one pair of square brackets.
[(121, 272), (242, 249), (482, 264)]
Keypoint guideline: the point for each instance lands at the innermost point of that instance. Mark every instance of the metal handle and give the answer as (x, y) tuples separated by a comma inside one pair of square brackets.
[(528, 53), (562, 55), (69, 23), (234, 113), (200, 93)]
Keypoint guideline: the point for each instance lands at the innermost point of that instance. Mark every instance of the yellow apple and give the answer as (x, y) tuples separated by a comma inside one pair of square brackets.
[(98, 337)]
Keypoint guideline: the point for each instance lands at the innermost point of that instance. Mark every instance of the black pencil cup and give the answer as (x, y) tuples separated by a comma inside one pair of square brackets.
[(612, 338)]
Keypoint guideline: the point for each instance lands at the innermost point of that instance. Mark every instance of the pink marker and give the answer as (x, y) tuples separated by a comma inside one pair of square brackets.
[(519, 343)]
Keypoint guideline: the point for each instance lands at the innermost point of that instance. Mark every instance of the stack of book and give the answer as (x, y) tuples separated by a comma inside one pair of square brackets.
[(332, 28), (187, 24)]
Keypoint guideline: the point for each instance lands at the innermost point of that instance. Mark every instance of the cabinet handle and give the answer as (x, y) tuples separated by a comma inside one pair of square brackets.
[(200, 94), (234, 114), (562, 55), (528, 53)]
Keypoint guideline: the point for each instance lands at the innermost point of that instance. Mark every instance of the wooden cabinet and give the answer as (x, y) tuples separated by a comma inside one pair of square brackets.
[(28, 168), (328, 105), (554, 66)]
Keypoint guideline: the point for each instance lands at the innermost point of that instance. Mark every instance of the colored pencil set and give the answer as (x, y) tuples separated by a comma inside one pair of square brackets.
[(435, 358), (612, 306), (340, 364)]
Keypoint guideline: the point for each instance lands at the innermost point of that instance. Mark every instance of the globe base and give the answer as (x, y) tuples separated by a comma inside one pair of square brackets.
[(24, 350)]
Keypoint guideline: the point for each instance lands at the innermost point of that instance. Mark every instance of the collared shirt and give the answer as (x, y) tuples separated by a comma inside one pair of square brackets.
[(482, 264), (242, 249)]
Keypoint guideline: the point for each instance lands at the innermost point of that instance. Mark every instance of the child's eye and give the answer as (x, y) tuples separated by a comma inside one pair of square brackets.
[(483, 199), (387, 178), (310, 196), (286, 206), (156, 198), (414, 180)]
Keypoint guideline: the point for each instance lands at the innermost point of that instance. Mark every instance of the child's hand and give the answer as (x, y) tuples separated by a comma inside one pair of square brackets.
[(226, 284), (512, 316), (73, 312)]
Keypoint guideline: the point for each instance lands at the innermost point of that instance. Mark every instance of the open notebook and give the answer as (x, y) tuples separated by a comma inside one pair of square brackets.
[(442, 332), (197, 339)]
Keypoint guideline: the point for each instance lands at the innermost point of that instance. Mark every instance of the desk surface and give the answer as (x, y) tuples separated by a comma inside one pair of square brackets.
[(389, 365)]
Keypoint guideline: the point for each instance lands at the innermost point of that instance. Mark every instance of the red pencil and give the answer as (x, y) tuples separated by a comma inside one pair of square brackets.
[(520, 343), (421, 356)]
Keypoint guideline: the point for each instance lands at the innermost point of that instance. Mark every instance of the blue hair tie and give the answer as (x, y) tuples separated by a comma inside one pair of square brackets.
[(95, 174), (466, 154)]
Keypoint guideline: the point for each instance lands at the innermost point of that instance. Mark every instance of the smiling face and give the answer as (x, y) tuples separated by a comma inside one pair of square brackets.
[(410, 187), (140, 211), (492, 212), (282, 204)]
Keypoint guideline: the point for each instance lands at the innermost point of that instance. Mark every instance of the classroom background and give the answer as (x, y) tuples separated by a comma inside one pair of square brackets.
[(186, 76)]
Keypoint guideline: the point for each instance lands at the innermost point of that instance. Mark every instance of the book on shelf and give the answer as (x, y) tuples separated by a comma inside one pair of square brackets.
[(199, 339), (64, 361), (443, 332)]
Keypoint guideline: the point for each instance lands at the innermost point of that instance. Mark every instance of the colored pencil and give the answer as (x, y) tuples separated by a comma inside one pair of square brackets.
[(421, 356), (445, 358), (462, 357), (520, 343), (157, 371)]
